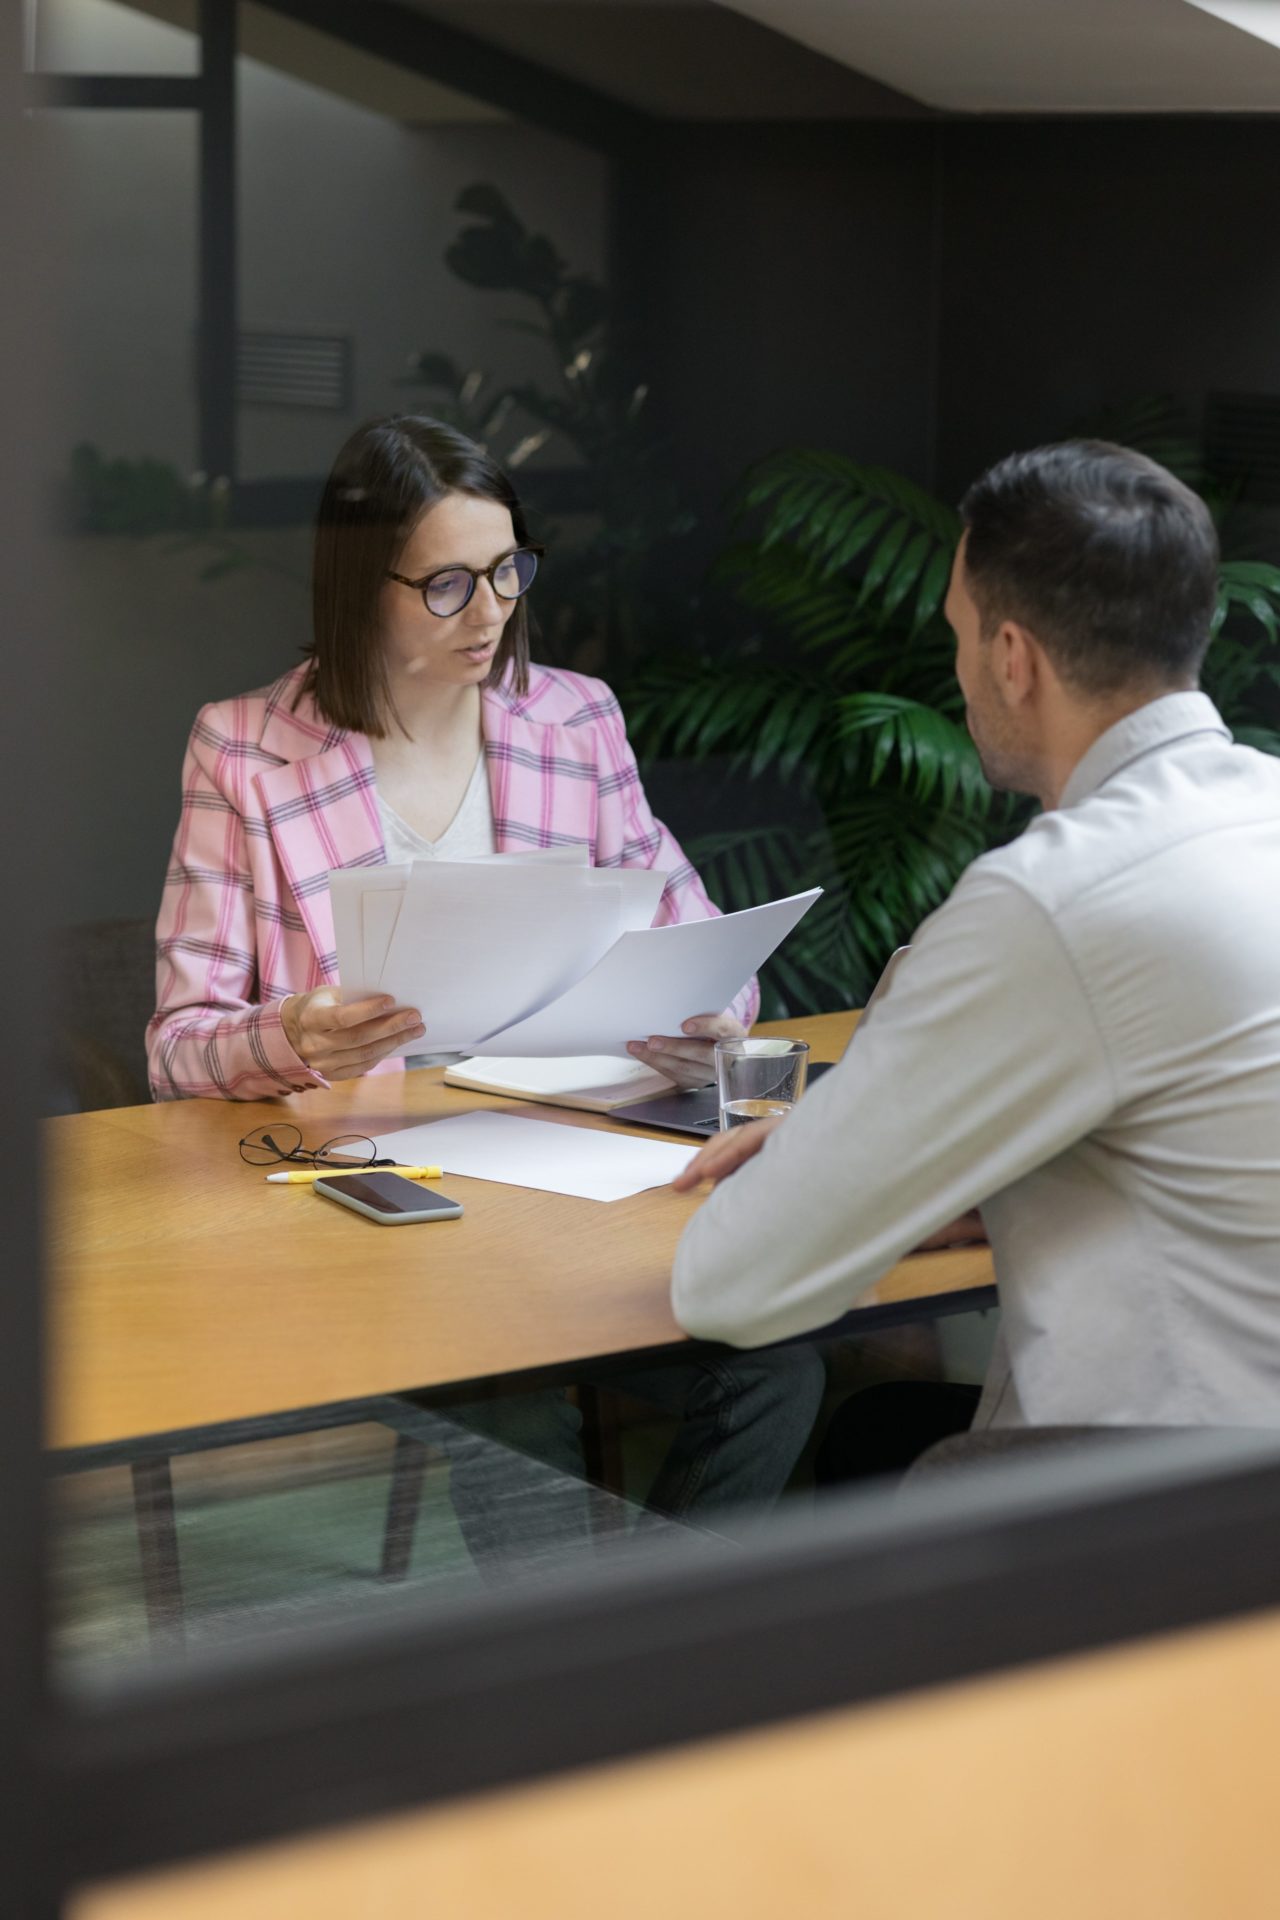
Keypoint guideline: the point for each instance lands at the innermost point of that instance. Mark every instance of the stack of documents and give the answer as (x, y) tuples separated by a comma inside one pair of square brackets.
[(540, 955), (593, 1082)]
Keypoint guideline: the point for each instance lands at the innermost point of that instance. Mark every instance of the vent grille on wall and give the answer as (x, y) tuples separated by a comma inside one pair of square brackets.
[(1242, 443), (294, 370)]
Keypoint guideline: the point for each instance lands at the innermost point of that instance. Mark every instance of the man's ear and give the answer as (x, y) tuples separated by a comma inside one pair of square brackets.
[(1015, 662)]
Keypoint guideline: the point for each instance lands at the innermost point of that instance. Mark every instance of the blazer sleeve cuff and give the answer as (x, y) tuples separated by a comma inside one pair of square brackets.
[(276, 1056)]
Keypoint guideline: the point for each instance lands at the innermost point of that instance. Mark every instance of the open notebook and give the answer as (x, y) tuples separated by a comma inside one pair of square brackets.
[(597, 1082)]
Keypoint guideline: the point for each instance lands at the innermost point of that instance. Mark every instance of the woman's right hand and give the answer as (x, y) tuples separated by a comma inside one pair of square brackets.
[(343, 1040)]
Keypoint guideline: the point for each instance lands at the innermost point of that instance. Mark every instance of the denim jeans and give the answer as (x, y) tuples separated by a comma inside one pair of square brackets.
[(743, 1422), (517, 1473)]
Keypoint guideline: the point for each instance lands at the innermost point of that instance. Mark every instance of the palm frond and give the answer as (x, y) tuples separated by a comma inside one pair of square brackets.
[(848, 568), (820, 964), (932, 752), (1243, 660), (1157, 425), (1265, 739), (782, 581), (1252, 587), (700, 708), (900, 858), (831, 510)]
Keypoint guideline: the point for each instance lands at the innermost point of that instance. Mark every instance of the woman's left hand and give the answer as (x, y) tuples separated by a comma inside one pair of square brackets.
[(688, 1058)]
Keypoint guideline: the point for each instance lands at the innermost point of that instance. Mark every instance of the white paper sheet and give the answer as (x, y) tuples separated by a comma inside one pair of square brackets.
[(379, 913), (584, 1162), (593, 1073), (547, 956), (360, 960), (347, 889), (650, 982), (595, 1082), (642, 889), (575, 854), (475, 944)]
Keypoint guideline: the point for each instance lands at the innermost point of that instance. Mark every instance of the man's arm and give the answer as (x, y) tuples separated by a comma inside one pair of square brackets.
[(981, 1063)]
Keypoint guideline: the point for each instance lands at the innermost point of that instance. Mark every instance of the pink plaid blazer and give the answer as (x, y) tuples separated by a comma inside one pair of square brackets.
[(272, 798)]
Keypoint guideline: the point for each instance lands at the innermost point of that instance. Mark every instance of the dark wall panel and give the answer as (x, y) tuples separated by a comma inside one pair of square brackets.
[(787, 289), (1086, 263)]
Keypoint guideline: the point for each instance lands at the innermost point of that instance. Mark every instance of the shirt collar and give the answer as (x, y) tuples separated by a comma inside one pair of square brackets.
[(1172, 717)]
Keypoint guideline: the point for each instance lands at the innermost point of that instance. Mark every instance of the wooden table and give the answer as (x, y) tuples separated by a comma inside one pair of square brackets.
[(188, 1292)]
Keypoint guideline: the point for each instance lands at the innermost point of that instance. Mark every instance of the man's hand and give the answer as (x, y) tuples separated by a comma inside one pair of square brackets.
[(344, 1041), (967, 1231), (726, 1153), (688, 1058)]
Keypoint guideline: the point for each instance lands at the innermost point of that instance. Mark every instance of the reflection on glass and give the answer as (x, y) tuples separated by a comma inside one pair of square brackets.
[(237, 1534), (146, 634), (350, 179), (231, 1535), (129, 193), (101, 36)]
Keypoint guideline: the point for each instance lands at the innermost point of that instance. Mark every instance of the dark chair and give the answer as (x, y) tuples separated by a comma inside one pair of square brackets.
[(105, 993)]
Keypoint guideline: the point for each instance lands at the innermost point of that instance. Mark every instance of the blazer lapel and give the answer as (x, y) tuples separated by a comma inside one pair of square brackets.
[(320, 805), (321, 811), (508, 742), (542, 777)]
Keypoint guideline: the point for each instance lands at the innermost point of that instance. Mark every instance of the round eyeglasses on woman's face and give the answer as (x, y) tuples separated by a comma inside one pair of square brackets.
[(448, 591)]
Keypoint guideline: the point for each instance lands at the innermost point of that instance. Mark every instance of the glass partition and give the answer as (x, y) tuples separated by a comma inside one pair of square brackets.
[(341, 1519), (112, 37)]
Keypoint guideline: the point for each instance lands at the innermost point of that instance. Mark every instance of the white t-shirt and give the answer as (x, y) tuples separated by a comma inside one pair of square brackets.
[(468, 835)]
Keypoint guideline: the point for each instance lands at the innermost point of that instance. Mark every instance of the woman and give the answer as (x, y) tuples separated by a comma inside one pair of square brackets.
[(418, 728)]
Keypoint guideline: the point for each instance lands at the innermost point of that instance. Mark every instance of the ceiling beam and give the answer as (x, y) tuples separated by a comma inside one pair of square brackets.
[(166, 93), (474, 66)]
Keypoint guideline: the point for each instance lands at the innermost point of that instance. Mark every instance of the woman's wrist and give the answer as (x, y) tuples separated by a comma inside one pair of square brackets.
[(289, 1020)]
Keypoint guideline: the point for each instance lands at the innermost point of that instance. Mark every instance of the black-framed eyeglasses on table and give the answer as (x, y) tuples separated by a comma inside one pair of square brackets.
[(272, 1145)]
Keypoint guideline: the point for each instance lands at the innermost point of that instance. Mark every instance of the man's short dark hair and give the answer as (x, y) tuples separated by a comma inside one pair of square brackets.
[(1109, 560)]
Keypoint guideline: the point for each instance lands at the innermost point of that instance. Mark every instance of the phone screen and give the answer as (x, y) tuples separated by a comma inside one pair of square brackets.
[(392, 1193)]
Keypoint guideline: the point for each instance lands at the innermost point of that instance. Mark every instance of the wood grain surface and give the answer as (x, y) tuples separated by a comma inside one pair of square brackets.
[(1136, 1784), (187, 1291)]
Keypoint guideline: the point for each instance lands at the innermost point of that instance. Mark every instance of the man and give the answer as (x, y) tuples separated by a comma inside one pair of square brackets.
[(1084, 1040)]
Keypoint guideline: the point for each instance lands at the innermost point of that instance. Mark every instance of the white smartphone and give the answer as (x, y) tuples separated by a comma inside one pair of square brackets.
[(388, 1198)]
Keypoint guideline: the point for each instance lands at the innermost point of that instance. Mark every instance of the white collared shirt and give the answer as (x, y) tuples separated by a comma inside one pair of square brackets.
[(1085, 1041)]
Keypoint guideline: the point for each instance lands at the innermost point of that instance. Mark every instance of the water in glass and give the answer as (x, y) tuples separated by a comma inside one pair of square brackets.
[(740, 1113)]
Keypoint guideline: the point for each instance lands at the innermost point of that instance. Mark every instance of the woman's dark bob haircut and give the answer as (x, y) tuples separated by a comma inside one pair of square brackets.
[(385, 478)]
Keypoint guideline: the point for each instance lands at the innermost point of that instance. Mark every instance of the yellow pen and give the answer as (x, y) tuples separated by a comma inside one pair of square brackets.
[(328, 1173)]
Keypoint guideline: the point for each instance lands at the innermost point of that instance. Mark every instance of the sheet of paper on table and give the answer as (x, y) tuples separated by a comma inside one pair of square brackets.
[(584, 1162)]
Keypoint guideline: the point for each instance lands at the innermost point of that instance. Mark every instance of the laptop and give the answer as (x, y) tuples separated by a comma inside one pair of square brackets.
[(697, 1111)]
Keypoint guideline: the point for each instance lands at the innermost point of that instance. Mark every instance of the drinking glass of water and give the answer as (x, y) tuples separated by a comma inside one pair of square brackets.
[(758, 1079)]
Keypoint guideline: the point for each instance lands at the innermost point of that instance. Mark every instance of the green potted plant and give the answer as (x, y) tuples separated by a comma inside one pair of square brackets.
[(590, 409), (844, 684)]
